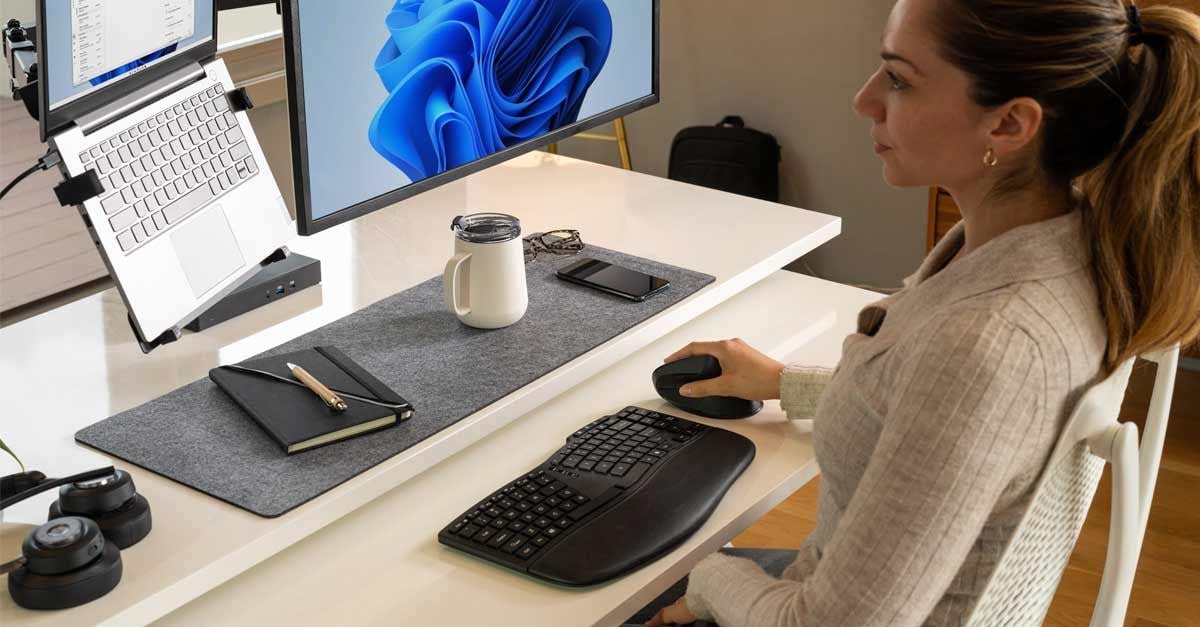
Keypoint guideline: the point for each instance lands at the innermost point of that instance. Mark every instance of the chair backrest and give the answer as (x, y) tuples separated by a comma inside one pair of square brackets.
[(1024, 581)]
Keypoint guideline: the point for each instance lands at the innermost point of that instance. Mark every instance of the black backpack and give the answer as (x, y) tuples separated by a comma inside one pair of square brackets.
[(728, 157)]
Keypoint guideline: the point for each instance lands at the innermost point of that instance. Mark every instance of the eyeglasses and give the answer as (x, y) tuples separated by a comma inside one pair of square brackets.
[(562, 242)]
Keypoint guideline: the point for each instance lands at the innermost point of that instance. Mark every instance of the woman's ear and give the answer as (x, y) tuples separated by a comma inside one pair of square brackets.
[(1014, 126)]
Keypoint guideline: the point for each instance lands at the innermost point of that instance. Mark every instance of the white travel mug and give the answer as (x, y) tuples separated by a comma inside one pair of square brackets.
[(485, 279)]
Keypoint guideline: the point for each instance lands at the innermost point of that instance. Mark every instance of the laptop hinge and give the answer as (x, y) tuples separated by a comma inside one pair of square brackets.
[(156, 90)]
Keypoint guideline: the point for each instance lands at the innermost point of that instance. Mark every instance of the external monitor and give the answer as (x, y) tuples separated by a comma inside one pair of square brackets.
[(104, 50), (390, 98)]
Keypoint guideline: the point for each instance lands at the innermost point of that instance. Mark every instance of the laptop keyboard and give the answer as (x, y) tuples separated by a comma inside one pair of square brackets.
[(160, 171)]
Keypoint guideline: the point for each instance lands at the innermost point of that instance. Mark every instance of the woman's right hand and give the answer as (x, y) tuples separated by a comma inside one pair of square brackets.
[(745, 372)]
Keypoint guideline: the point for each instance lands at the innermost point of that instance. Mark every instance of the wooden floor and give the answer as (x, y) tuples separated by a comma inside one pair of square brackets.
[(1167, 588)]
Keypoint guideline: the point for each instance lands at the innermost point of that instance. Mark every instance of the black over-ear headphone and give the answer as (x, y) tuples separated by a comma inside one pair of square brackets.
[(75, 557)]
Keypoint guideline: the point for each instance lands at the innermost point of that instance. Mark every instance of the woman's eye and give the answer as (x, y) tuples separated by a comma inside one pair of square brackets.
[(896, 82)]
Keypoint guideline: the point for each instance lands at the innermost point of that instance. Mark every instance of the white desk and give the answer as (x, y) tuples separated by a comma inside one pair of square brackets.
[(199, 543), (382, 565)]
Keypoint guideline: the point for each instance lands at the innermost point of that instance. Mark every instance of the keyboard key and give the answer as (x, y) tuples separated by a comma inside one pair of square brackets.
[(161, 223), (125, 154), (513, 544), (484, 534), (213, 128), (239, 151), (122, 220), (111, 205), (186, 205), (587, 465), (542, 522), (500, 539), (145, 143), (149, 226), (128, 196), (125, 241), (552, 532), (619, 470), (602, 467), (234, 135), (526, 551), (142, 209), (139, 233), (143, 127)]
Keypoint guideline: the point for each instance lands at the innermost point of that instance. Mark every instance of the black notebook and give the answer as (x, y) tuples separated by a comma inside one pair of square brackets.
[(294, 415)]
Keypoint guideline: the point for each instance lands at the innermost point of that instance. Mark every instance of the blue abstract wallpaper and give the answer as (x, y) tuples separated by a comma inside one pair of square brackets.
[(467, 78)]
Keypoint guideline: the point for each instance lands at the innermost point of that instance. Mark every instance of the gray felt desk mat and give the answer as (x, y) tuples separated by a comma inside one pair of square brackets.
[(197, 436)]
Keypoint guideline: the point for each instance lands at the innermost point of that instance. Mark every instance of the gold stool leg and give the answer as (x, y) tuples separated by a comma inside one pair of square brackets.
[(552, 148)]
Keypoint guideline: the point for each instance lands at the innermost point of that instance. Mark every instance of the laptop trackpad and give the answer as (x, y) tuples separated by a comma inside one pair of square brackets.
[(207, 250)]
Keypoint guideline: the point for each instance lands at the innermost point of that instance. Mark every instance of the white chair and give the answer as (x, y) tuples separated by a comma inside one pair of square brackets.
[(1025, 580)]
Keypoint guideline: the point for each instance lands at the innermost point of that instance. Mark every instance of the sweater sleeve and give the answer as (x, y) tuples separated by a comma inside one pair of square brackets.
[(800, 389), (966, 396)]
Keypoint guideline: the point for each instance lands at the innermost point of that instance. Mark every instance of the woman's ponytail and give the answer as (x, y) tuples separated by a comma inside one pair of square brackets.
[(1143, 209), (1121, 92)]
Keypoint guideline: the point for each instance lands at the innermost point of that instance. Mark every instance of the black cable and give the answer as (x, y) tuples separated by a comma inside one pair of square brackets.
[(20, 177), (48, 161)]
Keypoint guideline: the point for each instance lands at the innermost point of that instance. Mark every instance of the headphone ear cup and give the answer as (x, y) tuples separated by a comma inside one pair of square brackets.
[(124, 526), (68, 563), (122, 514)]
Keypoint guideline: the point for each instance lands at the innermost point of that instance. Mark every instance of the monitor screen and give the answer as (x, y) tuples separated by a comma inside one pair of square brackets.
[(94, 44), (392, 97)]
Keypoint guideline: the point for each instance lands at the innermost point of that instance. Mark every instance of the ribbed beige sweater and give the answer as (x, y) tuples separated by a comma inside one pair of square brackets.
[(930, 436)]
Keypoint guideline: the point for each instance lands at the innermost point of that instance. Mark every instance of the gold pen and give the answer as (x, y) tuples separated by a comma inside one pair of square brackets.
[(332, 400)]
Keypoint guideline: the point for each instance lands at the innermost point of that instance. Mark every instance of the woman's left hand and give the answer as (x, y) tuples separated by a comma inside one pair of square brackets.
[(677, 614)]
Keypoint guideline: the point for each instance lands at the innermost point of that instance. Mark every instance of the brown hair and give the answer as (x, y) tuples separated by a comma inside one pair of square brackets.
[(1121, 94)]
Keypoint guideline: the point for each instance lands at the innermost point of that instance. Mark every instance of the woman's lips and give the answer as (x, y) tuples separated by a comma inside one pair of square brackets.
[(880, 148)]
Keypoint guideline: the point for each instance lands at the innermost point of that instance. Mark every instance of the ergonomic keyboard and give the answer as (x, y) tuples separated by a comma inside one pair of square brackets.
[(624, 490), (173, 162)]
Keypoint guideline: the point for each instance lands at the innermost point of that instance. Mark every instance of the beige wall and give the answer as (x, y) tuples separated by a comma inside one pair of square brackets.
[(791, 68), (20, 9)]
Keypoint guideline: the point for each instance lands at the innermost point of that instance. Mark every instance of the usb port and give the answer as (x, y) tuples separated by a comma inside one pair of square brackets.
[(279, 290)]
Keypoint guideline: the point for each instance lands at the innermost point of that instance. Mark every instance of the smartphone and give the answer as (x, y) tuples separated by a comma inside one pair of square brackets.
[(612, 279)]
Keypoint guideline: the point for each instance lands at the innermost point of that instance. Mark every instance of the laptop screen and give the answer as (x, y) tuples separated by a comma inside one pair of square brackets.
[(94, 44)]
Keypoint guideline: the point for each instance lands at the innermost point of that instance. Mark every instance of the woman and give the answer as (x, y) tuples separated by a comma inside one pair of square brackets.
[(1068, 132)]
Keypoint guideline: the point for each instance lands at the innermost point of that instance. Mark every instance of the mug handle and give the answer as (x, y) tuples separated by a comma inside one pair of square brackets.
[(450, 280)]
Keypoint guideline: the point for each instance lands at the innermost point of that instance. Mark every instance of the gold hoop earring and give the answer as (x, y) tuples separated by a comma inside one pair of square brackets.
[(990, 159)]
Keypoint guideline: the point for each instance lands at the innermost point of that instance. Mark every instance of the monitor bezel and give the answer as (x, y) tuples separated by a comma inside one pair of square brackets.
[(307, 225), (53, 122)]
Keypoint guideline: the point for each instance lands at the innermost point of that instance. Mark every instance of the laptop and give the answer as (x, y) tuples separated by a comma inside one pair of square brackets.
[(133, 90)]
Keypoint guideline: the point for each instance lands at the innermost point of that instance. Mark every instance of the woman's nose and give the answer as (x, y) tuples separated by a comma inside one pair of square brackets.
[(867, 105)]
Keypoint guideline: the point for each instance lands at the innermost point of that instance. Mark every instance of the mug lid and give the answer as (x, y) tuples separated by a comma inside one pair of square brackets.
[(486, 228)]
